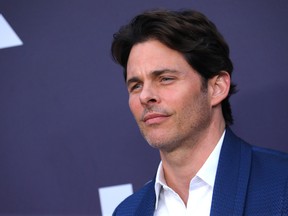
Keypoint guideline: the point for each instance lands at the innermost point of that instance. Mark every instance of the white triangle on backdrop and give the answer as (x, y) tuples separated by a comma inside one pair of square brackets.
[(112, 196), (8, 37)]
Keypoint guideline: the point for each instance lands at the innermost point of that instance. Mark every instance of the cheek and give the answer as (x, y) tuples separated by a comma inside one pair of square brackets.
[(134, 105)]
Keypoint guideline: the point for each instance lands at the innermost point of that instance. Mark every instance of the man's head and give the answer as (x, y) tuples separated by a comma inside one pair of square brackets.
[(188, 32)]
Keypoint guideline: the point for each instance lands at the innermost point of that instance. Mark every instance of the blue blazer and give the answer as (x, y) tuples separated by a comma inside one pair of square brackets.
[(249, 181)]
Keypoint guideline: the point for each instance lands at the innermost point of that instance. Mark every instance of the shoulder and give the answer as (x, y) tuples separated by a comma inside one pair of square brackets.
[(269, 166), (264, 161), (269, 158), (266, 172), (260, 155), (144, 196), (266, 167), (268, 185)]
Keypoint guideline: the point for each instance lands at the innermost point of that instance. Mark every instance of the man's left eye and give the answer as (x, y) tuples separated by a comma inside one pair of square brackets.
[(165, 79)]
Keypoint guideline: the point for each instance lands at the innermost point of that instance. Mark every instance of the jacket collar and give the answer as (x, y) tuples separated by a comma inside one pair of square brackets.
[(232, 176)]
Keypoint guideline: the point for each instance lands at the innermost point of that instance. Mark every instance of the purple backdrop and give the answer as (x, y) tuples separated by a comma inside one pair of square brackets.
[(65, 126)]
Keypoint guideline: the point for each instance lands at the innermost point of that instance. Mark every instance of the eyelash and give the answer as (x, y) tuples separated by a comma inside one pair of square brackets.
[(165, 79), (134, 87)]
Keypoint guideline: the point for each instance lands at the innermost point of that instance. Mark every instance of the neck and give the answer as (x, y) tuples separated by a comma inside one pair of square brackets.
[(181, 165)]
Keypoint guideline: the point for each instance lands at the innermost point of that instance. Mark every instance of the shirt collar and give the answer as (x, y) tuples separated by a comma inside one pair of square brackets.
[(207, 172)]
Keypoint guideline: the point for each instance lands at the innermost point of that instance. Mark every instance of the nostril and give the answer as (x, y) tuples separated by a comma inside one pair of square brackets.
[(152, 100)]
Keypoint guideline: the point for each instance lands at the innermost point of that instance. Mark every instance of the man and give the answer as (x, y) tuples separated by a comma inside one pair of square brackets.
[(178, 74)]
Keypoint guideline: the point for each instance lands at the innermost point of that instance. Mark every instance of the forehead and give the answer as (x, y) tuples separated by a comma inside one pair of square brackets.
[(153, 55)]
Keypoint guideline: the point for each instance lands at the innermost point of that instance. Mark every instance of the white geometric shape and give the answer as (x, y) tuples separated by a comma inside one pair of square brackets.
[(111, 196), (8, 37)]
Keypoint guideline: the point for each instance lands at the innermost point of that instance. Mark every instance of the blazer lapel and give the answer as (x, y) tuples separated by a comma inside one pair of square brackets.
[(147, 205), (232, 177)]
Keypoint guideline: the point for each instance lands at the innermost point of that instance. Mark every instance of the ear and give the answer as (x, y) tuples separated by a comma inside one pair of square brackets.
[(219, 87)]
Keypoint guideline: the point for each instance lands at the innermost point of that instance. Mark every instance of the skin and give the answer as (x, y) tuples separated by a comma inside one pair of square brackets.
[(174, 112)]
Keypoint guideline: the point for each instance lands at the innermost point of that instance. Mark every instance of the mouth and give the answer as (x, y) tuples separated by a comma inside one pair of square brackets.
[(154, 118)]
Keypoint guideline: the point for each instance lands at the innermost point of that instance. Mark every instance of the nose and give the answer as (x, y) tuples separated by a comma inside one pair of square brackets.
[(149, 95)]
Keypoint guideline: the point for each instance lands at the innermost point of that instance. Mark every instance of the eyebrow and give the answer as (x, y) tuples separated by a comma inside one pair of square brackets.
[(132, 80), (153, 74)]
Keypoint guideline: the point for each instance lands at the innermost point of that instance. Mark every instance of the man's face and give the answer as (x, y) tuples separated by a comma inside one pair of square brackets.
[(166, 96)]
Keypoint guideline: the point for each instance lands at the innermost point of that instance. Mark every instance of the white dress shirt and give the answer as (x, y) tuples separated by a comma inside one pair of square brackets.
[(168, 202)]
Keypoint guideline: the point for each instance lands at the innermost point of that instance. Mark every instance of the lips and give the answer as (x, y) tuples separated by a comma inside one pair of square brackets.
[(154, 118)]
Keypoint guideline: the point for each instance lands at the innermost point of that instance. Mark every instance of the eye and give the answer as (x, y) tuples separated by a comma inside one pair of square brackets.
[(135, 87), (166, 79)]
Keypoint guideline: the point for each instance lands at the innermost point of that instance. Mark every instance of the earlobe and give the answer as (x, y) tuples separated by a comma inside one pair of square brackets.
[(220, 86)]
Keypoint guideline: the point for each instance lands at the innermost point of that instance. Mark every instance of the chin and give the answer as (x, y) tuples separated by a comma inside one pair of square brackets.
[(155, 142), (162, 144)]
